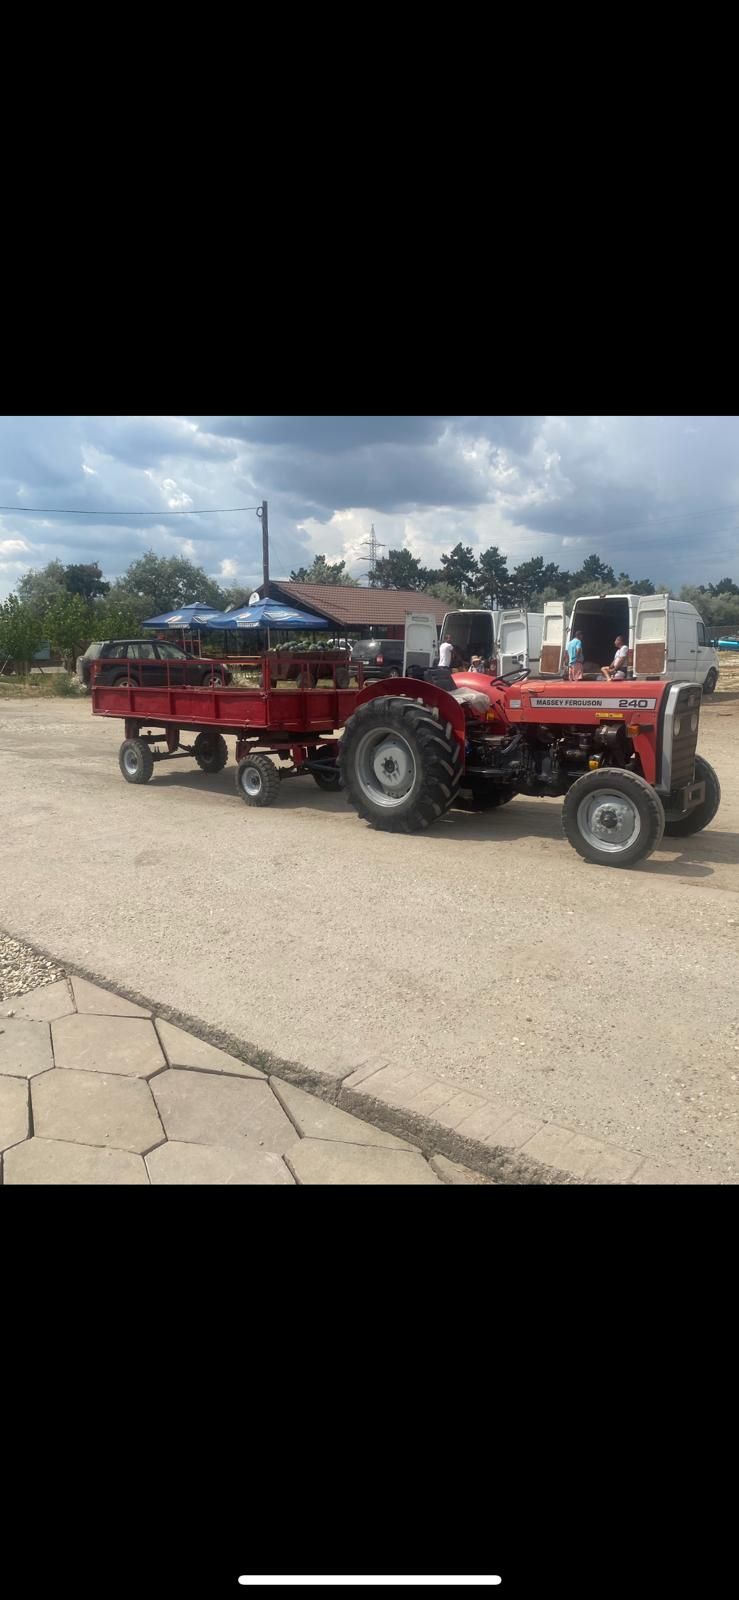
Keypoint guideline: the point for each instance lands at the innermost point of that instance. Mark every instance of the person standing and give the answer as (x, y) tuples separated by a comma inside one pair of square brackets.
[(446, 651), (575, 657)]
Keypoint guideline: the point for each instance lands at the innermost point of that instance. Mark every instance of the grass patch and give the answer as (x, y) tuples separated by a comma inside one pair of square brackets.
[(40, 686)]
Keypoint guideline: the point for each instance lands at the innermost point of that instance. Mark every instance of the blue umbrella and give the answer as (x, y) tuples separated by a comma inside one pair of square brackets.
[(197, 615), (273, 614)]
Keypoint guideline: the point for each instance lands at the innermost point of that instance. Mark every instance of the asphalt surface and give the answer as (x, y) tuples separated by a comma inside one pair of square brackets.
[(484, 951)]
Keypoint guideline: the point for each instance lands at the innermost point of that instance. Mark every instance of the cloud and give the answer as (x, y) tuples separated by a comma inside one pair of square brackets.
[(656, 496)]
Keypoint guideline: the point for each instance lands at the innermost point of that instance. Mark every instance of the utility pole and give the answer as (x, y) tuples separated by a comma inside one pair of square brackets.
[(372, 557), (263, 517)]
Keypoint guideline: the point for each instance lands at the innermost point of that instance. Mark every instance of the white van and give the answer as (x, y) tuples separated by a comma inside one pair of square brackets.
[(666, 638), (512, 637)]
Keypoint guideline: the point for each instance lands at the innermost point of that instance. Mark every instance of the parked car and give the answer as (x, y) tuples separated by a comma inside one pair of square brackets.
[(381, 658), (148, 662)]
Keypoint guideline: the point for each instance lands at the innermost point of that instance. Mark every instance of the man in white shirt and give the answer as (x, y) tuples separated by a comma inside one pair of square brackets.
[(620, 661), (446, 651)]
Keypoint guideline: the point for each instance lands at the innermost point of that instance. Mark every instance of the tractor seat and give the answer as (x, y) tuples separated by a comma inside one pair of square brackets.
[(472, 698)]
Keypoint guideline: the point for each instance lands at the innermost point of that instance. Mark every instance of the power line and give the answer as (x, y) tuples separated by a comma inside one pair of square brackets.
[(50, 511)]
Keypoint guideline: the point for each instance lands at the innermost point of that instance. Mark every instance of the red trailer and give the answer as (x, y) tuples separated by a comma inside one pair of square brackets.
[(292, 710)]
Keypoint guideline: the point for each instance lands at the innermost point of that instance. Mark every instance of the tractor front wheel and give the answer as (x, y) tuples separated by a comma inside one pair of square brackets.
[(613, 817), (400, 764), (680, 827)]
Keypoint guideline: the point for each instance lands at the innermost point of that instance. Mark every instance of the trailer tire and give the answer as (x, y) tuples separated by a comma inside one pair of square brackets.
[(613, 817), (484, 796), (136, 761), (257, 781), (406, 743), (682, 827), (211, 752)]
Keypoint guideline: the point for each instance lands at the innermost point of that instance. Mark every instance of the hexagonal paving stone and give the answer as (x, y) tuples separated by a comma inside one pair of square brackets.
[(184, 1050), (201, 1108), (107, 1044), (52, 1161), (13, 1111), (327, 1161), (315, 1119), (208, 1163), (46, 1004), (88, 1108), (102, 1002), (25, 1047)]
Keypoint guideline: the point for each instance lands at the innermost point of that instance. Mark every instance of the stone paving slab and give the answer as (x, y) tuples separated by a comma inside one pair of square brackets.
[(53, 1161), (207, 1163), (202, 1108), (25, 1047), (315, 1119), (127, 1045), (103, 1002), (328, 1161), (13, 1111), (184, 1050), (91, 1108), (47, 1004)]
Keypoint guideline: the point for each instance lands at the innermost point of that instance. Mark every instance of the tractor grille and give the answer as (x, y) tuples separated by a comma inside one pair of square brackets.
[(685, 707)]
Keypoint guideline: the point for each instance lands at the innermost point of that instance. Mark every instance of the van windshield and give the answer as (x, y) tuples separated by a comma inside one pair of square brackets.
[(471, 633)]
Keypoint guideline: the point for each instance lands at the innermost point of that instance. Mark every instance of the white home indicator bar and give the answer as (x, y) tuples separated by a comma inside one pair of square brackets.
[(316, 1582)]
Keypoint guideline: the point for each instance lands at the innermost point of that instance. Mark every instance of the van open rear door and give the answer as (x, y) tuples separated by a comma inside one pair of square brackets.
[(420, 648), (553, 636), (650, 636), (513, 641)]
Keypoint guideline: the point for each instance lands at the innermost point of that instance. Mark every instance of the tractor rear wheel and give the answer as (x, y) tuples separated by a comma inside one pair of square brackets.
[(400, 764), (613, 817), (211, 752), (257, 781), (680, 827)]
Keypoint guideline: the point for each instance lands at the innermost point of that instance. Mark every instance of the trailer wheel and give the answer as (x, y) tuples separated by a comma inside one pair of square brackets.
[(680, 827), (613, 817), (135, 761), (257, 781), (211, 752), (330, 780), (400, 764), (483, 796)]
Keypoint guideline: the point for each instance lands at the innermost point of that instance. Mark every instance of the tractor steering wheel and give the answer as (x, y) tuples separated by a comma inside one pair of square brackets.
[(516, 676)]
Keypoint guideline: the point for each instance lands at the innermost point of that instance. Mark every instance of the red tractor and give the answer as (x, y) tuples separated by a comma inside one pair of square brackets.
[(623, 755)]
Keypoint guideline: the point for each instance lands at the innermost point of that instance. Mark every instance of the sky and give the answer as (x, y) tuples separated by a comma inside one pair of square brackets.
[(656, 497)]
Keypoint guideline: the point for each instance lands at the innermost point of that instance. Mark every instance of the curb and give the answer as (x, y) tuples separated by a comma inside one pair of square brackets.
[(484, 1135)]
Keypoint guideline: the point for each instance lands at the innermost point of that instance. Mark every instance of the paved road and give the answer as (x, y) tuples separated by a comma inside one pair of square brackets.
[(484, 951)]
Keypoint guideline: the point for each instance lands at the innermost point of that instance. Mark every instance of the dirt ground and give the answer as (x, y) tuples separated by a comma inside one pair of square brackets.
[(484, 950)]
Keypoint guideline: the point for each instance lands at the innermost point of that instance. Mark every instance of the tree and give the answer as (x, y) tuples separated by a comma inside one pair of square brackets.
[(86, 580), (118, 616), (726, 586), (453, 598), (595, 571), (531, 577), (323, 571), (167, 582), (399, 570), (68, 626), (493, 581), (645, 586), (460, 568), (21, 632), (36, 589)]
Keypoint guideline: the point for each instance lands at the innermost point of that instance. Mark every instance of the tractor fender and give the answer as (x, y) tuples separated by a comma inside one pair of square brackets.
[(426, 694)]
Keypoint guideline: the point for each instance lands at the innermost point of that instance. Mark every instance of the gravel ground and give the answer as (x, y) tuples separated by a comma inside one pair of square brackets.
[(484, 951), (21, 969)]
